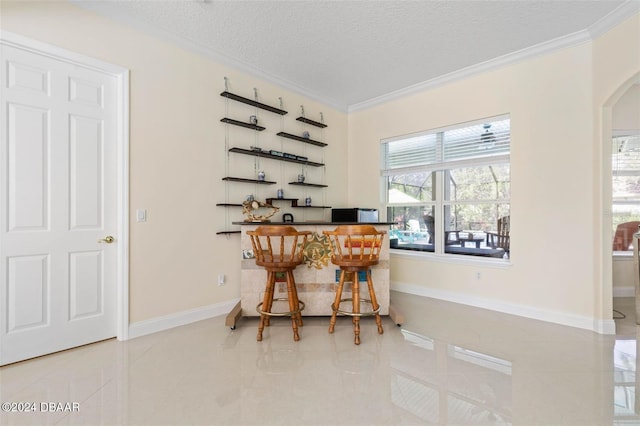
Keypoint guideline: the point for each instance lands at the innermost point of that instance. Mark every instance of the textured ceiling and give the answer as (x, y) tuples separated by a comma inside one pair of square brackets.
[(349, 52)]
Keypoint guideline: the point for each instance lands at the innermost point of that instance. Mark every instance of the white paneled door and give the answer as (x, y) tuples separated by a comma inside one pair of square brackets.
[(58, 218)]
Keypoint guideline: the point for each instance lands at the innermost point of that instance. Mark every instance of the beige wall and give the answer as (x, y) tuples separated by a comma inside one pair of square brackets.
[(177, 153), (556, 175)]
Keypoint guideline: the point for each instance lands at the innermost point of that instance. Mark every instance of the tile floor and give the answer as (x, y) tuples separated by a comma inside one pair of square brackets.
[(448, 364)]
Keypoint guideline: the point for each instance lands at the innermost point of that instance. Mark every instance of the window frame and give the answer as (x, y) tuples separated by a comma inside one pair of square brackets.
[(633, 199), (440, 171)]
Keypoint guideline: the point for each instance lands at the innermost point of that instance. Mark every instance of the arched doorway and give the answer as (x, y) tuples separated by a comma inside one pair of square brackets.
[(617, 268)]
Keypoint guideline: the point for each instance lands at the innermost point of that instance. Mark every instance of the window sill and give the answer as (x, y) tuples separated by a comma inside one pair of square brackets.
[(452, 258)]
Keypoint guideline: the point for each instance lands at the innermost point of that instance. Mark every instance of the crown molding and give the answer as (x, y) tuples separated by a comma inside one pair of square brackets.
[(617, 16)]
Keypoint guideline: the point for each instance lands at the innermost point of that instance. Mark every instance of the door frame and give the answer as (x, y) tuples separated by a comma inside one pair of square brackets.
[(122, 158), (605, 294)]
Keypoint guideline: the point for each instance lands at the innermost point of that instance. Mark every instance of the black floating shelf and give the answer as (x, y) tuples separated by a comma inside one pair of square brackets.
[(236, 179), (301, 139), (243, 124), (312, 122), (252, 103), (228, 205), (274, 157), (294, 201), (308, 184), (228, 232)]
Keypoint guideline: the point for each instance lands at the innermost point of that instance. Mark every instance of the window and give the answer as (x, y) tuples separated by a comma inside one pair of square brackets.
[(448, 189), (626, 190)]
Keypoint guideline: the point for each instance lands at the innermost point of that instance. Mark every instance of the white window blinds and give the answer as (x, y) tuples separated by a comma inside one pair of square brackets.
[(626, 156), (487, 139), (413, 151), (439, 148)]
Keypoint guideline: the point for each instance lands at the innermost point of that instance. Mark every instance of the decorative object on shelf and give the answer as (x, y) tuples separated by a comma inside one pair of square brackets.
[(306, 135), (250, 197), (255, 211), (261, 175), (253, 119), (287, 218), (280, 193), (301, 178), (307, 201)]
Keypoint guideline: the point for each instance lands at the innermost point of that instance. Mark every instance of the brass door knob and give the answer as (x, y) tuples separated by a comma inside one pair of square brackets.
[(108, 239)]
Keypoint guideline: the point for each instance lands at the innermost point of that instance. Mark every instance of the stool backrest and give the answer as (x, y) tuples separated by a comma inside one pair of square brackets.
[(278, 244), (356, 242)]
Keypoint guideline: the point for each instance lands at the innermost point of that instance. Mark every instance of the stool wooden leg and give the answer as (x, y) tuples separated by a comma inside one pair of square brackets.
[(266, 304), (297, 300), (271, 285), (374, 301), (355, 294), (336, 303), (293, 305)]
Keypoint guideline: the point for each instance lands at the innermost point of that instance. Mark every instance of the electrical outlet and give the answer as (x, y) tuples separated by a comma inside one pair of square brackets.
[(221, 279)]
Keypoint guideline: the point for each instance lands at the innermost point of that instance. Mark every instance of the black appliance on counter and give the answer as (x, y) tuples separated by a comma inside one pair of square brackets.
[(354, 215)]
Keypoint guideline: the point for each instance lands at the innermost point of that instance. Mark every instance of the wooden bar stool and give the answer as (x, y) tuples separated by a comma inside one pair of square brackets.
[(279, 249), (355, 248)]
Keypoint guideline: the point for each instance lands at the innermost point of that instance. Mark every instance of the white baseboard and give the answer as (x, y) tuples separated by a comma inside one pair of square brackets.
[(142, 328), (562, 318), (624, 291)]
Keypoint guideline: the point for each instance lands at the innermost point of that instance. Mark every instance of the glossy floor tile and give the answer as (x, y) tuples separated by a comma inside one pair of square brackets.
[(448, 364)]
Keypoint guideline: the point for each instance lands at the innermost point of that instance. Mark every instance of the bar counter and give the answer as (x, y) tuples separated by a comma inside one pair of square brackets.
[(316, 278)]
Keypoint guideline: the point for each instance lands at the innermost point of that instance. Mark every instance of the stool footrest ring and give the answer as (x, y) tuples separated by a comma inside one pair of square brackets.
[(281, 314), (352, 314)]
